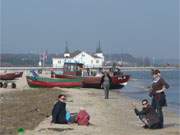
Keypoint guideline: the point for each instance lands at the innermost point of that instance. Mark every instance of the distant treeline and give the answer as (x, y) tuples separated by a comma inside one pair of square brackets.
[(21, 60)]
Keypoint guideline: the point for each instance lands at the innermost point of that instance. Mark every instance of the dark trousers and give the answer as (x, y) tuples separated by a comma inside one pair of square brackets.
[(144, 120), (158, 108), (106, 91)]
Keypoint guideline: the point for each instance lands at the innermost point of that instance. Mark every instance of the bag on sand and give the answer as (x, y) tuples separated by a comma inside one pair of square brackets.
[(83, 118)]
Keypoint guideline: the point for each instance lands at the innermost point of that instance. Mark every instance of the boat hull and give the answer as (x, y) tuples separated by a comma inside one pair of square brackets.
[(50, 83), (65, 76), (10, 76), (18, 74), (94, 82), (7, 76)]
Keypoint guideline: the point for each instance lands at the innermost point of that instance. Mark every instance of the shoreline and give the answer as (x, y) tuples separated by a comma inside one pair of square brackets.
[(170, 107)]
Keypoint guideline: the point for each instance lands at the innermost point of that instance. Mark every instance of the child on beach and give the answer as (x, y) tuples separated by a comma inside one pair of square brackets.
[(148, 115), (83, 117)]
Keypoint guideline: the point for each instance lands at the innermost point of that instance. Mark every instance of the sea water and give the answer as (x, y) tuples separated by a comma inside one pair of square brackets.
[(137, 87)]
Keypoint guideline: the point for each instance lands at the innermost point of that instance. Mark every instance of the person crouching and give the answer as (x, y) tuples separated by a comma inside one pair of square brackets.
[(148, 115)]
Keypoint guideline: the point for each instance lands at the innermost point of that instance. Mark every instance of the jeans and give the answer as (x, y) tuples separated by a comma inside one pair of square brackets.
[(106, 91)]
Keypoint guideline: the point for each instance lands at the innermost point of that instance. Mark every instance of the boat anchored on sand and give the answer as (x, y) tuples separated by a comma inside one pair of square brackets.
[(44, 82)]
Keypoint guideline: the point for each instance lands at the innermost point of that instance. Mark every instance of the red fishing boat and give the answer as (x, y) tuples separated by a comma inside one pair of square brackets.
[(52, 82), (7, 76), (18, 74), (94, 82), (10, 76), (74, 70), (70, 71)]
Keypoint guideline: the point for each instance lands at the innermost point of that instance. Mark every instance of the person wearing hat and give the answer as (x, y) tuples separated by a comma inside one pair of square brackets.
[(159, 85)]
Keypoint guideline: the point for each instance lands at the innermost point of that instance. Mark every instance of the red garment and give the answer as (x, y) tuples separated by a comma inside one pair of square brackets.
[(83, 118)]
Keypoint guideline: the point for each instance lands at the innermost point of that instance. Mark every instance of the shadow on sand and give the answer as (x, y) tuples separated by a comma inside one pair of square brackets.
[(172, 125), (57, 129)]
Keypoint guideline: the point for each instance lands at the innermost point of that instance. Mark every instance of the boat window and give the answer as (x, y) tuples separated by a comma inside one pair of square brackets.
[(72, 68)]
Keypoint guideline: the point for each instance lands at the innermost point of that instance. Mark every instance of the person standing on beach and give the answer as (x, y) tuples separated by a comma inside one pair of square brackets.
[(59, 111), (157, 93), (105, 83)]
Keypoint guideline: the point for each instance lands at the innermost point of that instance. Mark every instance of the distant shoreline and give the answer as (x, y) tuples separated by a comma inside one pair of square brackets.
[(122, 68)]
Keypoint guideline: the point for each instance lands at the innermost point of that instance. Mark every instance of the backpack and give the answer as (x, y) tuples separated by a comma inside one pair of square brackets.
[(83, 118)]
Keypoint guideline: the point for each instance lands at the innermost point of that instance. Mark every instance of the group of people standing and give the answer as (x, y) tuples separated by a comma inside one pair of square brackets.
[(151, 114)]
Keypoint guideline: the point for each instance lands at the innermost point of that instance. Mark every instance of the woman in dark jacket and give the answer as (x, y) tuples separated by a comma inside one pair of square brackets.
[(157, 93), (59, 111)]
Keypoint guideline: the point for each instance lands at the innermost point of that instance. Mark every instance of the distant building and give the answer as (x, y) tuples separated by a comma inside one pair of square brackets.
[(95, 60)]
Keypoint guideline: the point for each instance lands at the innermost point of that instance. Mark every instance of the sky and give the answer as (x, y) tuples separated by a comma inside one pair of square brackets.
[(139, 27)]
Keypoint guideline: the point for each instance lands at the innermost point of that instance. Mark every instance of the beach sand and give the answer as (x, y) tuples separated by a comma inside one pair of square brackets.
[(108, 117), (31, 109)]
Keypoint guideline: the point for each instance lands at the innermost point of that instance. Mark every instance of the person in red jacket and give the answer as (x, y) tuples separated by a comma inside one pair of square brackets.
[(83, 117)]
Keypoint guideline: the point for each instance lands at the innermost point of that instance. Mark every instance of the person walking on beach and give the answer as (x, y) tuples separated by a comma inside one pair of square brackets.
[(157, 93), (105, 83), (148, 115), (59, 111)]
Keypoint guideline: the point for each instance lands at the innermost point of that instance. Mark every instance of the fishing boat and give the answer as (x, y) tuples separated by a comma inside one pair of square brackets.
[(10, 76), (70, 71), (65, 76), (18, 74), (7, 76), (118, 82), (36, 81), (74, 70)]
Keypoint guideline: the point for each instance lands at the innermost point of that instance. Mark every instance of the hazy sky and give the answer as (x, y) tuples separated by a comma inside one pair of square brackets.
[(140, 27)]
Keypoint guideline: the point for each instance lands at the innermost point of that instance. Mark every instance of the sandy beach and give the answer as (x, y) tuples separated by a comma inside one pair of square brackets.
[(31, 109), (108, 117)]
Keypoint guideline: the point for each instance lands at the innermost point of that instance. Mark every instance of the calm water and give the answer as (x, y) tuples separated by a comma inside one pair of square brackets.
[(137, 87)]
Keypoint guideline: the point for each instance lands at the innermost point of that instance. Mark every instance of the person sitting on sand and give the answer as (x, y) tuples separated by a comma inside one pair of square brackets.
[(148, 115), (83, 117), (59, 111)]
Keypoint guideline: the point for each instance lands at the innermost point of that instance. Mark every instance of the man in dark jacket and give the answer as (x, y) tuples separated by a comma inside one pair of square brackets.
[(59, 111), (148, 115)]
